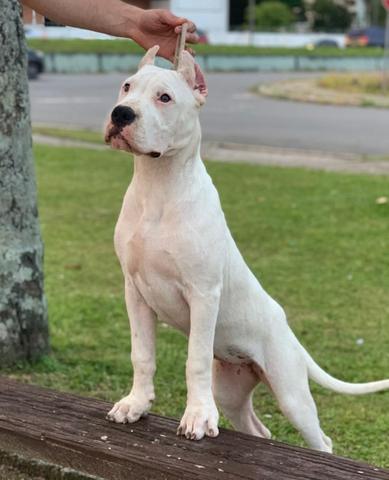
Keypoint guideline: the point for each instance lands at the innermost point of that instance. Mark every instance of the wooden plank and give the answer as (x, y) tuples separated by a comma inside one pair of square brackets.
[(71, 431)]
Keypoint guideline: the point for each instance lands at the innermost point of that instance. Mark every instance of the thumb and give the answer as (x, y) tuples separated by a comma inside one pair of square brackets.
[(171, 19)]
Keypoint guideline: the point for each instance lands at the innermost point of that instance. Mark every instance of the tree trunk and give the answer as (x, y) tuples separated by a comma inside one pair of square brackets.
[(23, 311)]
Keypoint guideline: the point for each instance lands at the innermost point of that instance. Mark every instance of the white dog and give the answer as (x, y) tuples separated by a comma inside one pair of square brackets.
[(181, 264)]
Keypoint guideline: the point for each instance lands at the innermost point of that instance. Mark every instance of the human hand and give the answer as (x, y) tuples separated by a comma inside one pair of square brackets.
[(161, 27)]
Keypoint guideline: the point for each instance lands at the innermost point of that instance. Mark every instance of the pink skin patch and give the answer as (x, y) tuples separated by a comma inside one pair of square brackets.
[(200, 85), (118, 138)]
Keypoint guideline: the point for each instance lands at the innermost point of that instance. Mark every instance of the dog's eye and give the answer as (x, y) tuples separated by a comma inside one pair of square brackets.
[(165, 98), (126, 87)]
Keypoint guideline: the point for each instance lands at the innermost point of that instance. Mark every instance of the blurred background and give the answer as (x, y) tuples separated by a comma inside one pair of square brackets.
[(257, 54)]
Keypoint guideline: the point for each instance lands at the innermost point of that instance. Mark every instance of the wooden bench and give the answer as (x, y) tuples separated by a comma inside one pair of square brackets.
[(41, 428)]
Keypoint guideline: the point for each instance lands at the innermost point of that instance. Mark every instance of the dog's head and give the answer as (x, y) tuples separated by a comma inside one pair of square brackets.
[(157, 109)]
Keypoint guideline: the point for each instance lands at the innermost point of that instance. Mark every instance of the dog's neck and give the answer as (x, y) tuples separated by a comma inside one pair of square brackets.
[(172, 177)]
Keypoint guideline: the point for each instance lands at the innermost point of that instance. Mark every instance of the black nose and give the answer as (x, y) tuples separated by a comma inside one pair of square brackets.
[(122, 116)]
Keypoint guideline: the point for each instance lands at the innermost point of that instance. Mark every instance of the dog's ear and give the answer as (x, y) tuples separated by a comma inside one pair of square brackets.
[(192, 74), (149, 57)]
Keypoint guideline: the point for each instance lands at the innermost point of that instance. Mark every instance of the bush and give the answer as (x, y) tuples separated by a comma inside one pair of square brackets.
[(298, 8), (330, 17), (272, 15)]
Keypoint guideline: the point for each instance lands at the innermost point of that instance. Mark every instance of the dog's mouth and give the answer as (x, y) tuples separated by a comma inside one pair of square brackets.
[(115, 132)]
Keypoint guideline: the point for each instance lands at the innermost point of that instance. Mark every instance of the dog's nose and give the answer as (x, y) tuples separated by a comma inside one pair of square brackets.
[(122, 116)]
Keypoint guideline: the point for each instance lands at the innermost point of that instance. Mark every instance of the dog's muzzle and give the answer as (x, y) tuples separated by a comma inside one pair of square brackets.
[(122, 117)]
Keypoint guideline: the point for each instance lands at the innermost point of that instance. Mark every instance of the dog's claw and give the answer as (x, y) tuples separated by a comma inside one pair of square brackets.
[(129, 409), (198, 422)]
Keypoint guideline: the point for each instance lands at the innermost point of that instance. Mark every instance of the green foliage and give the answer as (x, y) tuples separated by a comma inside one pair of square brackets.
[(330, 17), (376, 12), (272, 15), (317, 241), (298, 8)]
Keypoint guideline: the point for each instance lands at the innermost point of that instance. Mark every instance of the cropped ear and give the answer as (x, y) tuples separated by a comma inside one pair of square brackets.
[(192, 74), (149, 57)]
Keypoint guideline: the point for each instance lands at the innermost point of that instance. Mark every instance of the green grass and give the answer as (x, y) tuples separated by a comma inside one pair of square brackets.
[(125, 46), (69, 134), (317, 241)]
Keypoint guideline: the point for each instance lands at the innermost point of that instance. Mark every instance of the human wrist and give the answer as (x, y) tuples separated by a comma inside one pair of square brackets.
[(130, 26)]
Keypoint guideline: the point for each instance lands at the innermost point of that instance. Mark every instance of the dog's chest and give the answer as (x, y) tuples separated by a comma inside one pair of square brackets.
[(150, 258)]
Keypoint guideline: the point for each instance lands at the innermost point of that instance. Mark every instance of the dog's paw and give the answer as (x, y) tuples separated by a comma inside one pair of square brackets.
[(199, 420), (130, 409)]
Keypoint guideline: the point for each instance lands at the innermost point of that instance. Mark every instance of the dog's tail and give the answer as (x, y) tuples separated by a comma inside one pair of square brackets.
[(324, 379)]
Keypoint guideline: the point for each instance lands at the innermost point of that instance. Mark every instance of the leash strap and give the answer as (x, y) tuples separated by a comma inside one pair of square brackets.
[(180, 45)]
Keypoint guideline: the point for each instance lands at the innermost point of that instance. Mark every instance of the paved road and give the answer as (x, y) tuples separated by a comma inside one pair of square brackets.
[(231, 114)]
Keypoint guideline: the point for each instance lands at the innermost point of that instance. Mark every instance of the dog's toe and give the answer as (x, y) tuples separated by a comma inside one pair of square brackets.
[(199, 422), (128, 410)]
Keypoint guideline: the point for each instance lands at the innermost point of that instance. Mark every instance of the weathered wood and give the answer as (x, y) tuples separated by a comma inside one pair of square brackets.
[(72, 431)]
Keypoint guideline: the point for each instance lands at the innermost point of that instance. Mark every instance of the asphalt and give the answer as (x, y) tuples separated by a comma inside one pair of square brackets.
[(232, 113)]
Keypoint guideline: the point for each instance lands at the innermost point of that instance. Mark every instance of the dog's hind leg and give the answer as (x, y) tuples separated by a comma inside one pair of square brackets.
[(287, 377), (232, 387)]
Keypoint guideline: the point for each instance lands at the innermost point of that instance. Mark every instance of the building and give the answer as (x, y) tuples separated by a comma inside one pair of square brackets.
[(211, 16)]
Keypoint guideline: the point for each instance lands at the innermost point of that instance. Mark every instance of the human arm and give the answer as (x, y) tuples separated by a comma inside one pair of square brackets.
[(117, 18)]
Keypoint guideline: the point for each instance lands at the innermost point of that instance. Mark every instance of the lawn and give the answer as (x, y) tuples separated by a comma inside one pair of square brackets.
[(318, 242), (120, 46), (83, 135)]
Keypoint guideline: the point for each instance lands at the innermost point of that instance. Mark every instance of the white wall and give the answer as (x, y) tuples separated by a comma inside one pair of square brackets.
[(208, 15)]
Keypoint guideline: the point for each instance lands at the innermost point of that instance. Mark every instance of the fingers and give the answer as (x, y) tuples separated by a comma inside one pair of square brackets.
[(191, 26), (191, 35), (170, 19), (192, 38), (177, 22)]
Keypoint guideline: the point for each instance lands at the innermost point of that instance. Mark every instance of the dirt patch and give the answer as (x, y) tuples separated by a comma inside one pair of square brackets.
[(308, 90)]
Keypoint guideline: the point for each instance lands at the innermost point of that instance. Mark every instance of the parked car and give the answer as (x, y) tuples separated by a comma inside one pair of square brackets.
[(323, 43), (36, 64), (366, 37), (327, 43)]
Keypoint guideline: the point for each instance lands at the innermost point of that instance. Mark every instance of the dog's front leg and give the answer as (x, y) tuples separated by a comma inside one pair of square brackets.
[(142, 323), (201, 415)]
